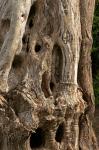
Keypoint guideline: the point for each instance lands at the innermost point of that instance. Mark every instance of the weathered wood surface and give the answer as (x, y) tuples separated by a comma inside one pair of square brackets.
[(47, 99)]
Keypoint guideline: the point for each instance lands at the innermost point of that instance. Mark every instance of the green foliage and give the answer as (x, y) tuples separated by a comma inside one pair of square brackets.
[(96, 88), (96, 27), (95, 52)]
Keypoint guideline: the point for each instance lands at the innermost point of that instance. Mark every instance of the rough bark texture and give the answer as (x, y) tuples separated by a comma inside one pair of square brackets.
[(46, 99)]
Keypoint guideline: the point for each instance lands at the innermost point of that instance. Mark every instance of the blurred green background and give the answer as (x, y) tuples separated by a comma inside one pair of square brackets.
[(95, 52)]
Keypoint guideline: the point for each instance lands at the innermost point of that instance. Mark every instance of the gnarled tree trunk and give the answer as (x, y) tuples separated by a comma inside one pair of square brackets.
[(46, 93)]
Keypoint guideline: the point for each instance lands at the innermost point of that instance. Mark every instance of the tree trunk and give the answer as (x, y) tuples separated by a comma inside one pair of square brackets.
[(46, 99)]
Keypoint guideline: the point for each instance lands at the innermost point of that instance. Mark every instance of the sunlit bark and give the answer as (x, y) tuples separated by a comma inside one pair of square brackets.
[(47, 99)]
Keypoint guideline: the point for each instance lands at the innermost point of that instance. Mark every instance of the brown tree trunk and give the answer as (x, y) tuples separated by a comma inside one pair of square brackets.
[(46, 99)]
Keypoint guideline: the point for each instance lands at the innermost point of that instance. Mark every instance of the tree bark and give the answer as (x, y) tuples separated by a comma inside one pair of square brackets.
[(46, 92)]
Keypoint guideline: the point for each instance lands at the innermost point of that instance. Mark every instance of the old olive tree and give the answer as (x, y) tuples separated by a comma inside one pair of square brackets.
[(46, 92)]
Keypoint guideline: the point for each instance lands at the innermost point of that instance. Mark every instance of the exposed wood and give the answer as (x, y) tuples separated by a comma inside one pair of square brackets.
[(44, 104)]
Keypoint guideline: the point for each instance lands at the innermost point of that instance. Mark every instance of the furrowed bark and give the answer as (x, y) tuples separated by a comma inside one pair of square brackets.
[(85, 73), (41, 103)]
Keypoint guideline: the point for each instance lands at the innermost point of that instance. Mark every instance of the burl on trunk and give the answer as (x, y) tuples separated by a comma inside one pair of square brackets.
[(46, 93)]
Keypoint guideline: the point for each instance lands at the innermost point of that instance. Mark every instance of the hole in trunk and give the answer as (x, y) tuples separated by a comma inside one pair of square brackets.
[(60, 133), (31, 15), (23, 17), (38, 48), (24, 39), (17, 61), (37, 139), (57, 62), (5, 24), (31, 23), (52, 86), (32, 10)]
